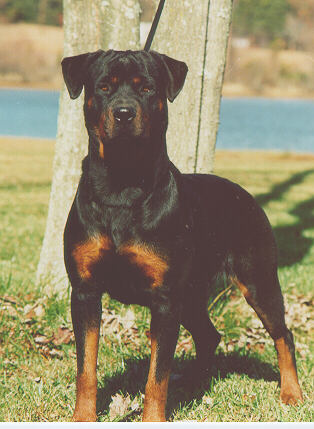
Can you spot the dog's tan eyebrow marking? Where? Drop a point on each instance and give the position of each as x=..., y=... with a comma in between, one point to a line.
x=114, y=79
x=136, y=79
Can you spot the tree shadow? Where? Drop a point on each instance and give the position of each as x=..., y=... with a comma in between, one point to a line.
x=187, y=383
x=292, y=244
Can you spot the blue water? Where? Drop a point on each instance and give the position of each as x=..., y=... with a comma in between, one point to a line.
x=260, y=123
x=245, y=123
x=28, y=113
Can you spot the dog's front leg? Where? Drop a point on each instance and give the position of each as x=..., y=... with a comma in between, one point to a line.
x=164, y=334
x=86, y=316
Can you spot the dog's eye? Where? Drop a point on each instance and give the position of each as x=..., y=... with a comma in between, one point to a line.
x=146, y=89
x=105, y=88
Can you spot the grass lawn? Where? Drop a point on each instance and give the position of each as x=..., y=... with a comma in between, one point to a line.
x=37, y=352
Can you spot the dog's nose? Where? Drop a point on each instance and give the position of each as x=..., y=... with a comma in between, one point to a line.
x=124, y=114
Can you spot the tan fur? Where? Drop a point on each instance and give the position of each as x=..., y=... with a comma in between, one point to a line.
x=88, y=253
x=153, y=265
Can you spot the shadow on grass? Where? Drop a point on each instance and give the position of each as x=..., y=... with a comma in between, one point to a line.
x=189, y=385
x=192, y=385
x=292, y=244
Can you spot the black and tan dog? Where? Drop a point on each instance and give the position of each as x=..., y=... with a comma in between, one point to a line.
x=147, y=234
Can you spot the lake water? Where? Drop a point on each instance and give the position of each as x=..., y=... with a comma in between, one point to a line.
x=245, y=123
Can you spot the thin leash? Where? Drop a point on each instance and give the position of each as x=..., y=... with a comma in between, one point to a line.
x=153, y=28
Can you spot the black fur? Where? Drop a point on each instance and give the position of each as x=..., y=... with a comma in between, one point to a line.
x=200, y=226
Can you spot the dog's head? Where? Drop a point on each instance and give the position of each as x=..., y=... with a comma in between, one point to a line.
x=126, y=92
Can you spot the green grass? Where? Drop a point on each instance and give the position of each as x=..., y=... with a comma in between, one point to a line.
x=37, y=381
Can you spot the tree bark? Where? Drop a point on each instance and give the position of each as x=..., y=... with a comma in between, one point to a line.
x=88, y=26
x=197, y=33
x=218, y=27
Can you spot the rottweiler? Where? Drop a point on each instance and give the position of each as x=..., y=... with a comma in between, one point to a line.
x=147, y=234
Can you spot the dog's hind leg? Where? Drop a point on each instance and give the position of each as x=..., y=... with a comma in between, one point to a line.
x=206, y=338
x=261, y=289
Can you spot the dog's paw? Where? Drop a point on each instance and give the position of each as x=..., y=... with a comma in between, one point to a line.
x=83, y=417
x=291, y=395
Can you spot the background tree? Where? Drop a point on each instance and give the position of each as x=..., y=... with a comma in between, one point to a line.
x=197, y=33
x=299, y=25
x=263, y=20
x=192, y=133
x=41, y=11
x=88, y=26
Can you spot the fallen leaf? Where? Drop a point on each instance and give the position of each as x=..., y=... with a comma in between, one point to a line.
x=128, y=320
x=119, y=406
x=41, y=339
x=135, y=405
x=9, y=298
x=9, y=310
x=27, y=308
x=56, y=353
x=63, y=336
x=185, y=345
x=39, y=311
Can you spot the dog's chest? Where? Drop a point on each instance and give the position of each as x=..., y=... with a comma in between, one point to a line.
x=124, y=270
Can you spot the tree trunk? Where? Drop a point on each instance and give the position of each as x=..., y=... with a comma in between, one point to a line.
x=220, y=13
x=197, y=33
x=88, y=26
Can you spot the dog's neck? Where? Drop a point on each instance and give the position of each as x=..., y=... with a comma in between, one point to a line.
x=116, y=177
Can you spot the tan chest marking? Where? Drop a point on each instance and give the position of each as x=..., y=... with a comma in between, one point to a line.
x=88, y=253
x=153, y=265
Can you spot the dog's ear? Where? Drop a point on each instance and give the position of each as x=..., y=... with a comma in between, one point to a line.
x=74, y=71
x=175, y=74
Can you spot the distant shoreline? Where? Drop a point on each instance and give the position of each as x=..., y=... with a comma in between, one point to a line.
x=31, y=56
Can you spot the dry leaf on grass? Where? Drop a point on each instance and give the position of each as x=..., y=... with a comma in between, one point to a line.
x=47, y=352
x=41, y=339
x=33, y=310
x=9, y=310
x=128, y=320
x=63, y=336
x=9, y=298
x=123, y=327
x=300, y=312
x=121, y=406
x=185, y=344
x=46, y=345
